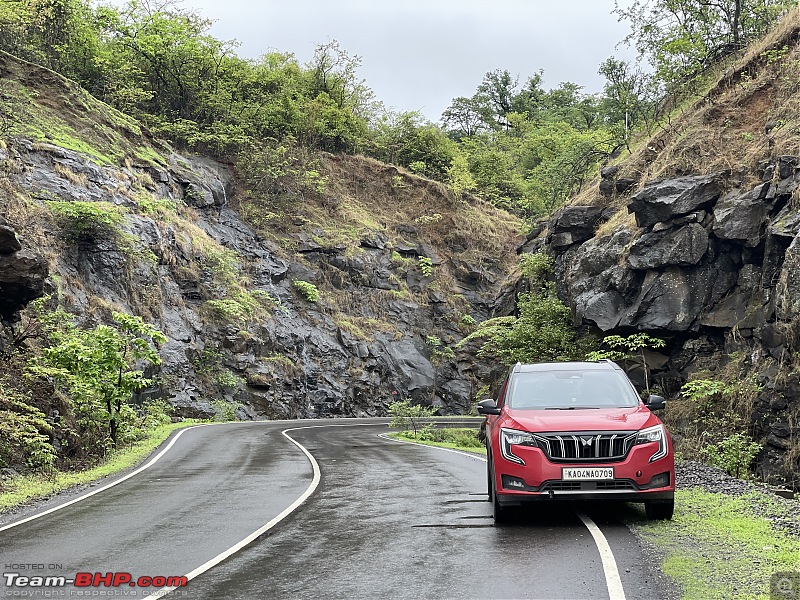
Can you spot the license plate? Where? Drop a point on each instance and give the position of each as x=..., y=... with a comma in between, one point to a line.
x=586, y=473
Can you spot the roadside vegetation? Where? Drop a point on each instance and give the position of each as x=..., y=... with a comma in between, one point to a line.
x=720, y=546
x=413, y=423
x=17, y=491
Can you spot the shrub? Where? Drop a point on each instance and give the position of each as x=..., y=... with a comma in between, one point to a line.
x=307, y=290
x=24, y=438
x=405, y=416
x=734, y=454
x=468, y=320
x=87, y=221
x=426, y=266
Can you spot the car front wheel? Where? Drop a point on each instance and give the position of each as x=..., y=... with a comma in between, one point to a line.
x=659, y=509
x=501, y=514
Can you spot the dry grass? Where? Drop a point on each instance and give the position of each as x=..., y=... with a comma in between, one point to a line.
x=79, y=179
x=622, y=219
x=750, y=112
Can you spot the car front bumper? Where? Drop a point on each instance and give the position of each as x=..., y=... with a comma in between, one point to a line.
x=635, y=478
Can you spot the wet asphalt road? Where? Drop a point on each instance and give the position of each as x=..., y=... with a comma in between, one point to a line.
x=388, y=520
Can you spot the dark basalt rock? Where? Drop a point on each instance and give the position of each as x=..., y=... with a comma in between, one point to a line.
x=8, y=240
x=740, y=217
x=574, y=224
x=22, y=276
x=684, y=246
x=666, y=199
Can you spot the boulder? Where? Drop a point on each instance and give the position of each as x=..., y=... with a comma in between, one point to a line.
x=574, y=224
x=786, y=223
x=684, y=246
x=788, y=288
x=665, y=199
x=673, y=299
x=620, y=185
x=22, y=278
x=740, y=217
x=8, y=240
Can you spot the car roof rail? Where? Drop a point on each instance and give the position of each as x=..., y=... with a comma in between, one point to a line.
x=610, y=362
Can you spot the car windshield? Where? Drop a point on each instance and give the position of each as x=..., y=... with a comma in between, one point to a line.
x=566, y=390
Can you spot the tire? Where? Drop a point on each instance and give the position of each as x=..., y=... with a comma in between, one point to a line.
x=489, y=481
x=659, y=510
x=501, y=514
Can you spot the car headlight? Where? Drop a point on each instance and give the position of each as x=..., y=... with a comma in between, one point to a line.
x=654, y=434
x=513, y=437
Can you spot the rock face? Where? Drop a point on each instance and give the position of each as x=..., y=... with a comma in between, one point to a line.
x=711, y=273
x=351, y=355
x=22, y=272
x=663, y=200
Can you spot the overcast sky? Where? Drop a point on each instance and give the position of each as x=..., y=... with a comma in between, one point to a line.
x=420, y=54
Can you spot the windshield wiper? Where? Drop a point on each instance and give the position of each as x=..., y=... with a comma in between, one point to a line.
x=572, y=407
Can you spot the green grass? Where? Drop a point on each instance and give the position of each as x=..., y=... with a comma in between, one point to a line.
x=720, y=547
x=22, y=490
x=449, y=437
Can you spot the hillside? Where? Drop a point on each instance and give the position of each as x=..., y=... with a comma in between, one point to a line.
x=102, y=217
x=693, y=238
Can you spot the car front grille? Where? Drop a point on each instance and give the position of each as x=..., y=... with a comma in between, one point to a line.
x=587, y=446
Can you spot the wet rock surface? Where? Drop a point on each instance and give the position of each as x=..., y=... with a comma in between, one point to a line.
x=711, y=267
x=299, y=359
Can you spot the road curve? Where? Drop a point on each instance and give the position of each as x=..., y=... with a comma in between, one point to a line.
x=388, y=520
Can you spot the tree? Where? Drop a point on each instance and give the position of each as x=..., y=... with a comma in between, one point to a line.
x=622, y=348
x=405, y=415
x=97, y=368
x=683, y=37
x=630, y=96
x=498, y=88
x=465, y=117
x=543, y=330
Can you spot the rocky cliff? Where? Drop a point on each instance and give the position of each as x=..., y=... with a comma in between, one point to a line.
x=695, y=239
x=103, y=218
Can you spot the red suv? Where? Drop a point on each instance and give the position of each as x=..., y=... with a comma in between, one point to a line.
x=576, y=430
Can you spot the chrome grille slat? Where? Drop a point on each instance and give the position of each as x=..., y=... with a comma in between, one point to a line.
x=612, y=446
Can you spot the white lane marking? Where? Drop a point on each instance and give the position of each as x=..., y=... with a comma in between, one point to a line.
x=155, y=459
x=289, y=510
x=613, y=581
x=149, y=464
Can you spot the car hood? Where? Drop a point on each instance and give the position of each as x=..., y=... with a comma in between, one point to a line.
x=596, y=419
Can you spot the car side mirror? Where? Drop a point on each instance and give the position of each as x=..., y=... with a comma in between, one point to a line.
x=655, y=402
x=488, y=407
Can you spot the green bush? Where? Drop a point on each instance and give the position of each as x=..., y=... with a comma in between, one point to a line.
x=307, y=290
x=24, y=432
x=467, y=438
x=405, y=415
x=734, y=454
x=87, y=221
x=426, y=266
